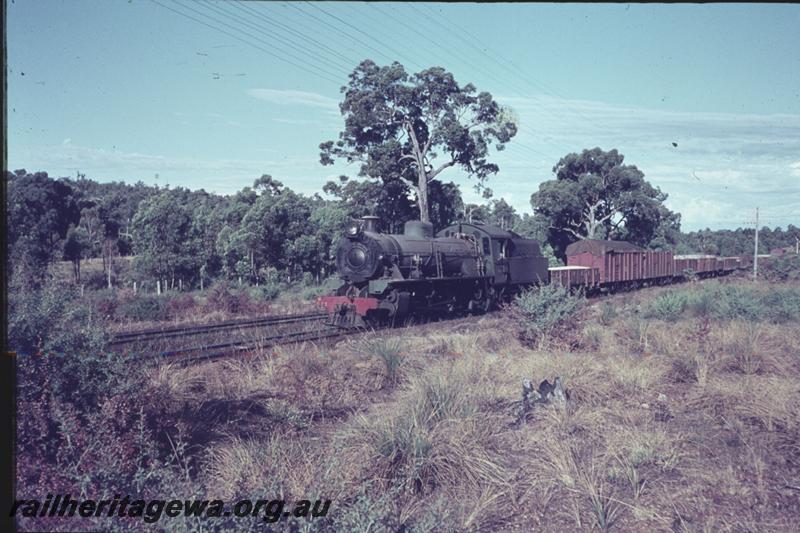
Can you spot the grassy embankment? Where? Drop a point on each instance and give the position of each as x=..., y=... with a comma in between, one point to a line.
x=684, y=414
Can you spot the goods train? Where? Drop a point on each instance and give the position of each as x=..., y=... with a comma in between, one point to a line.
x=473, y=267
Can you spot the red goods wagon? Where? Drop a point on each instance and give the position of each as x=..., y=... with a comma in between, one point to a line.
x=575, y=276
x=729, y=263
x=683, y=264
x=619, y=261
x=699, y=264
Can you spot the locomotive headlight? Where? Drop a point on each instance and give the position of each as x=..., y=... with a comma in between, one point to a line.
x=352, y=231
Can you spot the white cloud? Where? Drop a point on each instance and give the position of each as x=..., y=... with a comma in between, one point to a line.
x=294, y=121
x=223, y=176
x=794, y=169
x=724, y=164
x=289, y=97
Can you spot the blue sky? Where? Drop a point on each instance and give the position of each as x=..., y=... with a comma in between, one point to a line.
x=214, y=94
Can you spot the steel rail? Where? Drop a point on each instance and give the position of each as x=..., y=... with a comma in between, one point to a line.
x=166, y=333
x=226, y=349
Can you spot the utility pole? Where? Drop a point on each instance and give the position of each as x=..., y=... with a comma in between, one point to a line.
x=755, y=251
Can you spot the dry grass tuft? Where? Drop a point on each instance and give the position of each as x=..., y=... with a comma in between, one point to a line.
x=765, y=403
x=636, y=375
x=180, y=384
x=435, y=434
x=750, y=348
x=387, y=349
x=277, y=466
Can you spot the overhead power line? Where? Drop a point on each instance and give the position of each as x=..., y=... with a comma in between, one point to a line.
x=507, y=64
x=301, y=43
x=290, y=52
x=348, y=34
x=247, y=6
x=268, y=52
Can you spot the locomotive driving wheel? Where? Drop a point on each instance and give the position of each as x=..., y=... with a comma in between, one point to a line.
x=481, y=300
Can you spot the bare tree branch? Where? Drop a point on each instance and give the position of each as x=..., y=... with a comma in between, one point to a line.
x=410, y=184
x=569, y=230
x=434, y=173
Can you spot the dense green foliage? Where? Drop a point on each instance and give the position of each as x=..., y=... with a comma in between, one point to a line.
x=595, y=196
x=53, y=331
x=737, y=242
x=405, y=130
x=724, y=301
x=786, y=268
x=263, y=235
x=86, y=429
x=39, y=212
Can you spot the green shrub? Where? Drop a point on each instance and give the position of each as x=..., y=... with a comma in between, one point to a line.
x=144, y=307
x=667, y=306
x=371, y=510
x=221, y=298
x=94, y=280
x=327, y=286
x=57, y=335
x=308, y=279
x=702, y=302
x=732, y=302
x=727, y=301
x=84, y=424
x=607, y=314
x=541, y=311
x=783, y=304
x=265, y=293
x=786, y=268
x=105, y=301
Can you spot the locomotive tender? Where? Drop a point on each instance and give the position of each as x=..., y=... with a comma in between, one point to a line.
x=473, y=267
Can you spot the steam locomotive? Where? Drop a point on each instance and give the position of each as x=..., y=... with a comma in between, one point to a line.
x=474, y=267
x=463, y=268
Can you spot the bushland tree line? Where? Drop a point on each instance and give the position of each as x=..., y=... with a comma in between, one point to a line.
x=265, y=231
x=404, y=130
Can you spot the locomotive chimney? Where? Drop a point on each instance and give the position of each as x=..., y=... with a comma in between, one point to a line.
x=370, y=223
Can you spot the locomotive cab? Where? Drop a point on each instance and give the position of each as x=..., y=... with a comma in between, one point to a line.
x=510, y=259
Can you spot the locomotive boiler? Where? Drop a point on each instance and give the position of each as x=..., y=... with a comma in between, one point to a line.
x=465, y=267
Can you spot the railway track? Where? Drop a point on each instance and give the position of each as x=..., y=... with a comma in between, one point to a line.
x=151, y=343
x=226, y=349
x=158, y=344
x=131, y=337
